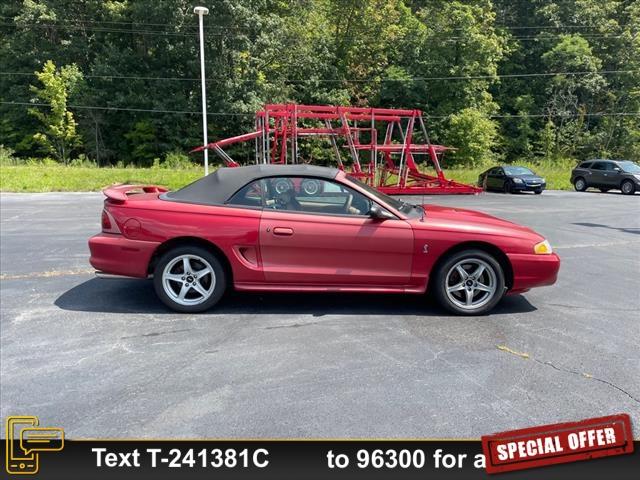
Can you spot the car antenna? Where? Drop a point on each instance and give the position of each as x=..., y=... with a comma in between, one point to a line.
x=431, y=152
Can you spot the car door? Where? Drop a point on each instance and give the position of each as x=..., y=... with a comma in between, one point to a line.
x=495, y=179
x=611, y=176
x=327, y=239
x=597, y=177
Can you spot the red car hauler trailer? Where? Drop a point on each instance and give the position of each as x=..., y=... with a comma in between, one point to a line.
x=389, y=165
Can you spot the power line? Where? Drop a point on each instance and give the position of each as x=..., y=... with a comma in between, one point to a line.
x=107, y=22
x=228, y=34
x=555, y=115
x=91, y=107
x=354, y=80
x=550, y=27
x=240, y=114
x=112, y=30
x=113, y=22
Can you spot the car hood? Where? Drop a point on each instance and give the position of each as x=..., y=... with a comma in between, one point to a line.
x=529, y=178
x=472, y=220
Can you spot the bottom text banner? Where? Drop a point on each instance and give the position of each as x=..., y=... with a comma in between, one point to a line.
x=294, y=459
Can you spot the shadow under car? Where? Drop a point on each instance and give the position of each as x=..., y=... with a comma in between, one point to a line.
x=138, y=296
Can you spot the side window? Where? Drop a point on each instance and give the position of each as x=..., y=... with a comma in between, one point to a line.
x=251, y=195
x=314, y=195
x=598, y=166
x=585, y=165
x=609, y=166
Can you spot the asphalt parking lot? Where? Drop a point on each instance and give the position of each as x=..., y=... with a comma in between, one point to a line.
x=103, y=358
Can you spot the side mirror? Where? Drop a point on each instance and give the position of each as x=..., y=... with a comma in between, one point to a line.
x=378, y=213
x=617, y=169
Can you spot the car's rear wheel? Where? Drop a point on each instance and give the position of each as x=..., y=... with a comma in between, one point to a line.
x=627, y=187
x=580, y=184
x=189, y=279
x=470, y=282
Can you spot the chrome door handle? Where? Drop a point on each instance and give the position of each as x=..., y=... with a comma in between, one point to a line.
x=283, y=231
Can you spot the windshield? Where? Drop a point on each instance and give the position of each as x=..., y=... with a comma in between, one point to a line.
x=404, y=207
x=629, y=166
x=518, y=171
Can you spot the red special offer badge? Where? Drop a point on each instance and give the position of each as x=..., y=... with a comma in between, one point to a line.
x=558, y=443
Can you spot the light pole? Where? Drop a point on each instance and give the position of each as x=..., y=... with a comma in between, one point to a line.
x=201, y=11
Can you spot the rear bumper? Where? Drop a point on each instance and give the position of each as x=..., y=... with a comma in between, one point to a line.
x=530, y=270
x=118, y=255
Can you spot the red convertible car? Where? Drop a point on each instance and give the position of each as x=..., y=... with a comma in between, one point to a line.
x=311, y=229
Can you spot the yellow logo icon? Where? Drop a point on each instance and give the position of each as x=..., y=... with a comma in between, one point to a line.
x=25, y=441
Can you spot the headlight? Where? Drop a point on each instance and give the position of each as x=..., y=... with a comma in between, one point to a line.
x=544, y=180
x=543, y=248
x=517, y=180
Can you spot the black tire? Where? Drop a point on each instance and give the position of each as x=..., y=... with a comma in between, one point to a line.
x=580, y=184
x=445, y=274
x=281, y=185
x=215, y=284
x=311, y=187
x=628, y=187
x=506, y=187
x=538, y=191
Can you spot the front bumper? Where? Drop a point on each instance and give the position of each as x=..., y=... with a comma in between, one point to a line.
x=118, y=255
x=527, y=187
x=531, y=270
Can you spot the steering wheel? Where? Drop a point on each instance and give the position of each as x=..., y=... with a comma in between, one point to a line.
x=361, y=205
x=347, y=204
x=287, y=201
x=282, y=200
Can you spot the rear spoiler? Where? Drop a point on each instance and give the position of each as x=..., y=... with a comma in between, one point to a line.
x=120, y=193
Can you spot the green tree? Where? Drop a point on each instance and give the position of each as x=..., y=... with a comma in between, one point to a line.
x=141, y=68
x=58, y=134
x=571, y=97
x=143, y=143
x=474, y=135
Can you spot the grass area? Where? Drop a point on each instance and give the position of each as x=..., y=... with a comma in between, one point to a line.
x=57, y=178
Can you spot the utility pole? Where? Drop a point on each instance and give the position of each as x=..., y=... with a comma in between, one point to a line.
x=201, y=11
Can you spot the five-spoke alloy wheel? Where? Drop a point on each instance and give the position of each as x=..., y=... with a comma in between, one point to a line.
x=189, y=279
x=470, y=282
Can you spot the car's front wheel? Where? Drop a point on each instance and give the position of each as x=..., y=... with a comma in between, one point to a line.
x=189, y=279
x=470, y=282
x=627, y=187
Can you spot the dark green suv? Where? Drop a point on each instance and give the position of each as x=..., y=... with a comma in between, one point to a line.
x=607, y=175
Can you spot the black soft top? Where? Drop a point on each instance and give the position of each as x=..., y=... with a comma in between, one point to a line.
x=217, y=187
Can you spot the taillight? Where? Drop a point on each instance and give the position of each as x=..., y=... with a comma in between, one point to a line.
x=109, y=225
x=106, y=223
